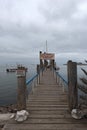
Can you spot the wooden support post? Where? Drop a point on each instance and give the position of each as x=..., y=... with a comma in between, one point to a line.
x=41, y=62
x=56, y=77
x=21, y=96
x=72, y=85
x=42, y=72
x=38, y=71
x=33, y=85
x=53, y=63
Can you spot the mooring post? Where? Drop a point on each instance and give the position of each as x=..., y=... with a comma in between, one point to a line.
x=38, y=71
x=52, y=65
x=41, y=62
x=21, y=95
x=56, y=77
x=72, y=85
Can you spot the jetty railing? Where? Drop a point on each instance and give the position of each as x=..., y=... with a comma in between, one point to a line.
x=61, y=81
x=31, y=83
x=25, y=87
x=71, y=84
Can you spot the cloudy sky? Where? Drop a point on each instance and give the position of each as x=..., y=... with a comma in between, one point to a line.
x=25, y=25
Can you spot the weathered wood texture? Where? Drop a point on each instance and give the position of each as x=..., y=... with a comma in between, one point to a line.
x=21, y=97
x=72, y=85
x=48, y=108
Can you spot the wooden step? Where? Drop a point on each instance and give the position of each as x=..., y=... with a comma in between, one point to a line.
x=45, y=127
x=46, y=103
x=46, y=108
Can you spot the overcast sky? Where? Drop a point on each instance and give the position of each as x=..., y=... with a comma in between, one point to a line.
x=25, y=25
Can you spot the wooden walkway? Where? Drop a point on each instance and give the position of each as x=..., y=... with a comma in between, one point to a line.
x=48, y=108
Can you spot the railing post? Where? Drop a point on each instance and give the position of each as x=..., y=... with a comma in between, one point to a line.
x=21, y=95
x=38, y=71
x=42, y=71
x=72, y=85
x=56, y=77
x=33, y=86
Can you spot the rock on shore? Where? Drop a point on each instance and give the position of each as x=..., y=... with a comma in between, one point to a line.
x=6, y=113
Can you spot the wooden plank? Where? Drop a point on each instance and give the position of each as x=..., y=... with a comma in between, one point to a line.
x=46, y=103
x=49, y=116
x=45, y=127
x=50, y=109
x=47, y=112
x=51, y=120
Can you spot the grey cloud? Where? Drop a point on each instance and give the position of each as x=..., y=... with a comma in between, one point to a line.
x=58, y=9
x=24, y=31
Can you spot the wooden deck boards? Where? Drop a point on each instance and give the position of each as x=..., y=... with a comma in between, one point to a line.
x=48, y=108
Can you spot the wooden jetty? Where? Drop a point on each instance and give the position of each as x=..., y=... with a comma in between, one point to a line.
x=48, y=108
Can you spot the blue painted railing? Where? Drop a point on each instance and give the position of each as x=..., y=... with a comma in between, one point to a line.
x=63, y=81
x=31, y=79
x=62, y=78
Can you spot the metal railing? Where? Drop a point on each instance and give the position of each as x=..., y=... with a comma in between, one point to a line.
x=31, y=79
x=31, y=83
x=64, y=81
x=61, y=81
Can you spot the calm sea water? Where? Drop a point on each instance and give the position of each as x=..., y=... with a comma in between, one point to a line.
x=8, y=81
